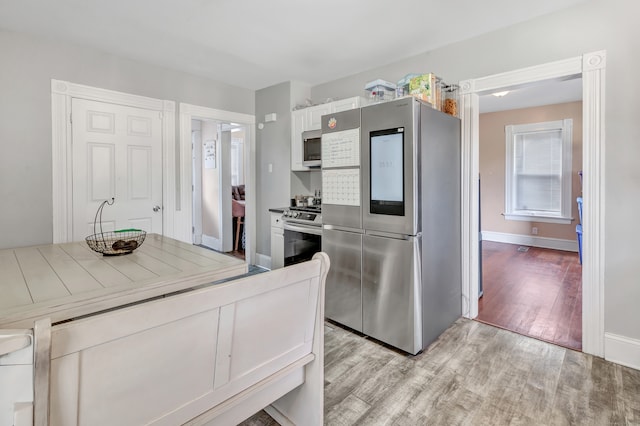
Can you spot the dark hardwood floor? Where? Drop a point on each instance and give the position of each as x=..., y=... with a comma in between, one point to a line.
x=537, y=292
x=237, y=253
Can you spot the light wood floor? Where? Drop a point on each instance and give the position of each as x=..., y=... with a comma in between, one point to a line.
x=474, y=374
x=537, y=292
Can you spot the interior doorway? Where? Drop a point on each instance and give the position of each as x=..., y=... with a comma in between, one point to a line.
x=531, y=274
x=218, y=187
x=219, y=198
x=591, y=67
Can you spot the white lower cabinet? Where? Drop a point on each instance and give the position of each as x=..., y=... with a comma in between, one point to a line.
x=16, y=377
x=310, y=119
x=277, y=241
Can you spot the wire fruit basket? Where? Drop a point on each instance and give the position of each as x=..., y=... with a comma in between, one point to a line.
x=114, y=243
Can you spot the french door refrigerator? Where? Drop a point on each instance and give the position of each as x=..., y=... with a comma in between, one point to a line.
x=342, y=216
x=391, y=221
x=411, y=261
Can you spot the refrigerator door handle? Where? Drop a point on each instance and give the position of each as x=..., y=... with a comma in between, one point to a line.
x=343, y=229
x=394, y=236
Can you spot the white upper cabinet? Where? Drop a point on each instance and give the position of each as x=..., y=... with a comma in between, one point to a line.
x=315, y=115
x=298, y=125
x=310, y=119
x=349, y=103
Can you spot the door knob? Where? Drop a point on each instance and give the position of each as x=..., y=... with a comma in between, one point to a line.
x=156, y=208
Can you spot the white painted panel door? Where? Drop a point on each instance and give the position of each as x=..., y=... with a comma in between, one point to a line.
x=117, y=152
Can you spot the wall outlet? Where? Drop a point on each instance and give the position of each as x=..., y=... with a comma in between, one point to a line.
x=534, y=230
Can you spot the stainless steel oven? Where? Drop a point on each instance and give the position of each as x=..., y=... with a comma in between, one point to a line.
x=302, y=234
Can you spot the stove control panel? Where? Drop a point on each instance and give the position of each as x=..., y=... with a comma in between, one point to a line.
x=302, y=216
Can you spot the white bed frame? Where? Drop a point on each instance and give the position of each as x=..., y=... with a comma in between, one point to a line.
x=213, y=355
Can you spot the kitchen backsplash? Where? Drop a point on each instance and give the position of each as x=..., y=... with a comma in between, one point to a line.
x=305, y=182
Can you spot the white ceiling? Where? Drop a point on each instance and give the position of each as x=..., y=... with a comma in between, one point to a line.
x=545, y=93
x=255, y=44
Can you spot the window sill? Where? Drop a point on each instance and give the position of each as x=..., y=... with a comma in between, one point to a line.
x=538, y=218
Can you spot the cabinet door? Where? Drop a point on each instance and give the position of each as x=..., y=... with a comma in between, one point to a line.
x=277, y=241
x=16, y=377
x=298, y=125
x=276, y=220
x=315, y=114
x=277, y=248
x=346, y=104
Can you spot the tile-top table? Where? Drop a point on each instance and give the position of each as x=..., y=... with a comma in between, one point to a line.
x=65, y=281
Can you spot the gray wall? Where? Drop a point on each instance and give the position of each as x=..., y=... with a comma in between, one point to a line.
x=28, y=65
x=273, y=146
x=591, y=26
x=305, y=183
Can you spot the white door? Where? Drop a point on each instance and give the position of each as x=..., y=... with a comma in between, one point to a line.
x=196, y=149
x=117, y=152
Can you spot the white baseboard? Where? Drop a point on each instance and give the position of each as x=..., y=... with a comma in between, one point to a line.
x=622, y=350
x=531, y=240
x=211, y=242
x=263, y=260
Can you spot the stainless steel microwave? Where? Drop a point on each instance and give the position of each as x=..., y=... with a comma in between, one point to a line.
x=312, y=148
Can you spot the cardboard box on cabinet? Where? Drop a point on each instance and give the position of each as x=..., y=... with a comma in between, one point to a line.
x=423, y=87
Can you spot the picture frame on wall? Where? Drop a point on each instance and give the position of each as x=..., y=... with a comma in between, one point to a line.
x=210, y=154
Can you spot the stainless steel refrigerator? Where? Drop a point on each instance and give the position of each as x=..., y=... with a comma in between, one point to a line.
x=342, y=216
x=410, y=259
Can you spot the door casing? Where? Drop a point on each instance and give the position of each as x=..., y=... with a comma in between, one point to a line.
x=62, y=92
x=591, y=67
x=185, y=215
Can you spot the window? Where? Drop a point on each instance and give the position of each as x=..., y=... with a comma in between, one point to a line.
x=538, y=167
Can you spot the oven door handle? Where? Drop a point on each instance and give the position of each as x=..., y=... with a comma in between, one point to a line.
x=304, y=229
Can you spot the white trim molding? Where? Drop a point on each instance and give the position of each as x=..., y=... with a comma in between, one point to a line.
x=184, y=215
x=211, y=242
x=531, y=240
x=591, y=67
x=62, y=92
x=622, y=350
x=593, y=255
x=263, y=261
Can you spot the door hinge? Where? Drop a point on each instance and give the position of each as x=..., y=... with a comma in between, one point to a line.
x=70, y=118
x=193, y=229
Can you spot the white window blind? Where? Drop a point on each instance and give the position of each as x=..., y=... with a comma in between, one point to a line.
x=539, y=171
